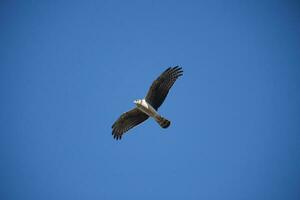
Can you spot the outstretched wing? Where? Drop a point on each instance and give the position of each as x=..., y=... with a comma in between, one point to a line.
x=161, y=86
x=127, y=121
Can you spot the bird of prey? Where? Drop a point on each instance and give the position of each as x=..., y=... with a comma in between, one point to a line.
x=148, y=106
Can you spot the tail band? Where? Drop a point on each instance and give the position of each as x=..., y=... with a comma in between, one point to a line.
x=164, y=123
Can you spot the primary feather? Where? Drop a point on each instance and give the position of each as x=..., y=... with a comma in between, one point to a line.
x=161, y=86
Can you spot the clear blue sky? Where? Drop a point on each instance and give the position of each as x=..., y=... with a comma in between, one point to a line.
x=68, y=69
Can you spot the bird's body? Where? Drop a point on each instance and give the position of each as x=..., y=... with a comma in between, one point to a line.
x=148, y=106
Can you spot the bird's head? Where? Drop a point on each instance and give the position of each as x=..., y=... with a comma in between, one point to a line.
x=138, y=101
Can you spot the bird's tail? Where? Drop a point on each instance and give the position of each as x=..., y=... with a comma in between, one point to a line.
x=164, y=123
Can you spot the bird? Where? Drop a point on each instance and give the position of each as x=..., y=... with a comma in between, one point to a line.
x=148, y=106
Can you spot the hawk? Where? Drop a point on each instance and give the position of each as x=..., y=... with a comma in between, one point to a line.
x=148, y=106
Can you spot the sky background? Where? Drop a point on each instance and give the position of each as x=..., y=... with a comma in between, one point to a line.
x=68, y=69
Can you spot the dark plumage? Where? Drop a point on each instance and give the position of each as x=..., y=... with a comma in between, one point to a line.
x=161, y=86
x=127, y=121
x=155, y=97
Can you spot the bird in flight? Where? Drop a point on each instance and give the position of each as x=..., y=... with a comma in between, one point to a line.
x=148, y=106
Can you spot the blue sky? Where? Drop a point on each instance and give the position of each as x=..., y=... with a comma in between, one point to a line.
x=69, y=69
